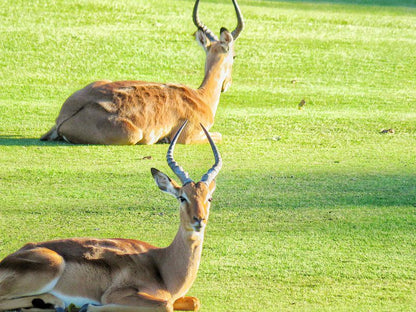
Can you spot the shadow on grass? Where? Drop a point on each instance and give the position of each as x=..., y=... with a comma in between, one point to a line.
x=321, y=190
x=15, y=140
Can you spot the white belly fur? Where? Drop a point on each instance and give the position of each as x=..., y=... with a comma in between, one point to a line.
x=78, y=301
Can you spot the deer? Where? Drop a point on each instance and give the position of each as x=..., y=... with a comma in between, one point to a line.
x=138, y=112
x=118, y=275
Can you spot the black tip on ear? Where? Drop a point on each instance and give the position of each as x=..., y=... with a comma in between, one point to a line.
x=154, y=171
x=223, y=29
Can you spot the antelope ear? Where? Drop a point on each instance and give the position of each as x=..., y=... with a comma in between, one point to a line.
x=202, y=39
x=226, y=39
x=165, y=183
x=212, y=187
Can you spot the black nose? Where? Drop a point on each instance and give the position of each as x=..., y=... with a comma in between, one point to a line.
x=198, y=226
x=199, y=220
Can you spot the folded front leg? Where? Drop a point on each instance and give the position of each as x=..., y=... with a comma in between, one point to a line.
x=128, y=300
x=187, y=304
x=200, y=138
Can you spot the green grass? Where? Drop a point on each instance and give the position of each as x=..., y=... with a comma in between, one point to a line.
x=315, y=210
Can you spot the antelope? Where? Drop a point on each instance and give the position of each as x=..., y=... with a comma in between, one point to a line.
x=117, y=275
x=138, y=112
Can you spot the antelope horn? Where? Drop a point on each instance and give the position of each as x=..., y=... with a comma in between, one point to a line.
x=178, y=170
x=212, y=173
x=211, y=36
x=240, y=25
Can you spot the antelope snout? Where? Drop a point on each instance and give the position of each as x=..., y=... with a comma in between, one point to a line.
x=199, y=223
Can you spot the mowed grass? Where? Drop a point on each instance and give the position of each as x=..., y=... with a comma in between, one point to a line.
x=315, y=209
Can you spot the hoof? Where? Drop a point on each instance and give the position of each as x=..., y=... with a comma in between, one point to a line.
x=187, y=304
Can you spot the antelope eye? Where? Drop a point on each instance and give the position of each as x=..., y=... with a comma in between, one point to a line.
x=210, y=199
x=182, y=199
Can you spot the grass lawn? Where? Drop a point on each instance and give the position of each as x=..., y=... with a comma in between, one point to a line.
x=315, y=209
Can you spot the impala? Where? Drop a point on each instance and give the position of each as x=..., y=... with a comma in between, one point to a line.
x=137, y=112
x=117, y=275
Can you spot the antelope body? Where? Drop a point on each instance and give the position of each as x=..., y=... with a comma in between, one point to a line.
x=117, y=275
x=138, y=112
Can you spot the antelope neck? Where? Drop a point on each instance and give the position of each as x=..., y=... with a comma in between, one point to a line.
x=211, y=86
x=181, y=261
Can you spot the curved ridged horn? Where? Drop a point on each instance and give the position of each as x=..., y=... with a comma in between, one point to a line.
x=240, y=25
x=212, y=173
x=211, y=36
x=178, y=170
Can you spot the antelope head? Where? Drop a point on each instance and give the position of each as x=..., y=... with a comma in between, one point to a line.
x=194, y=197
x=219, y=50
